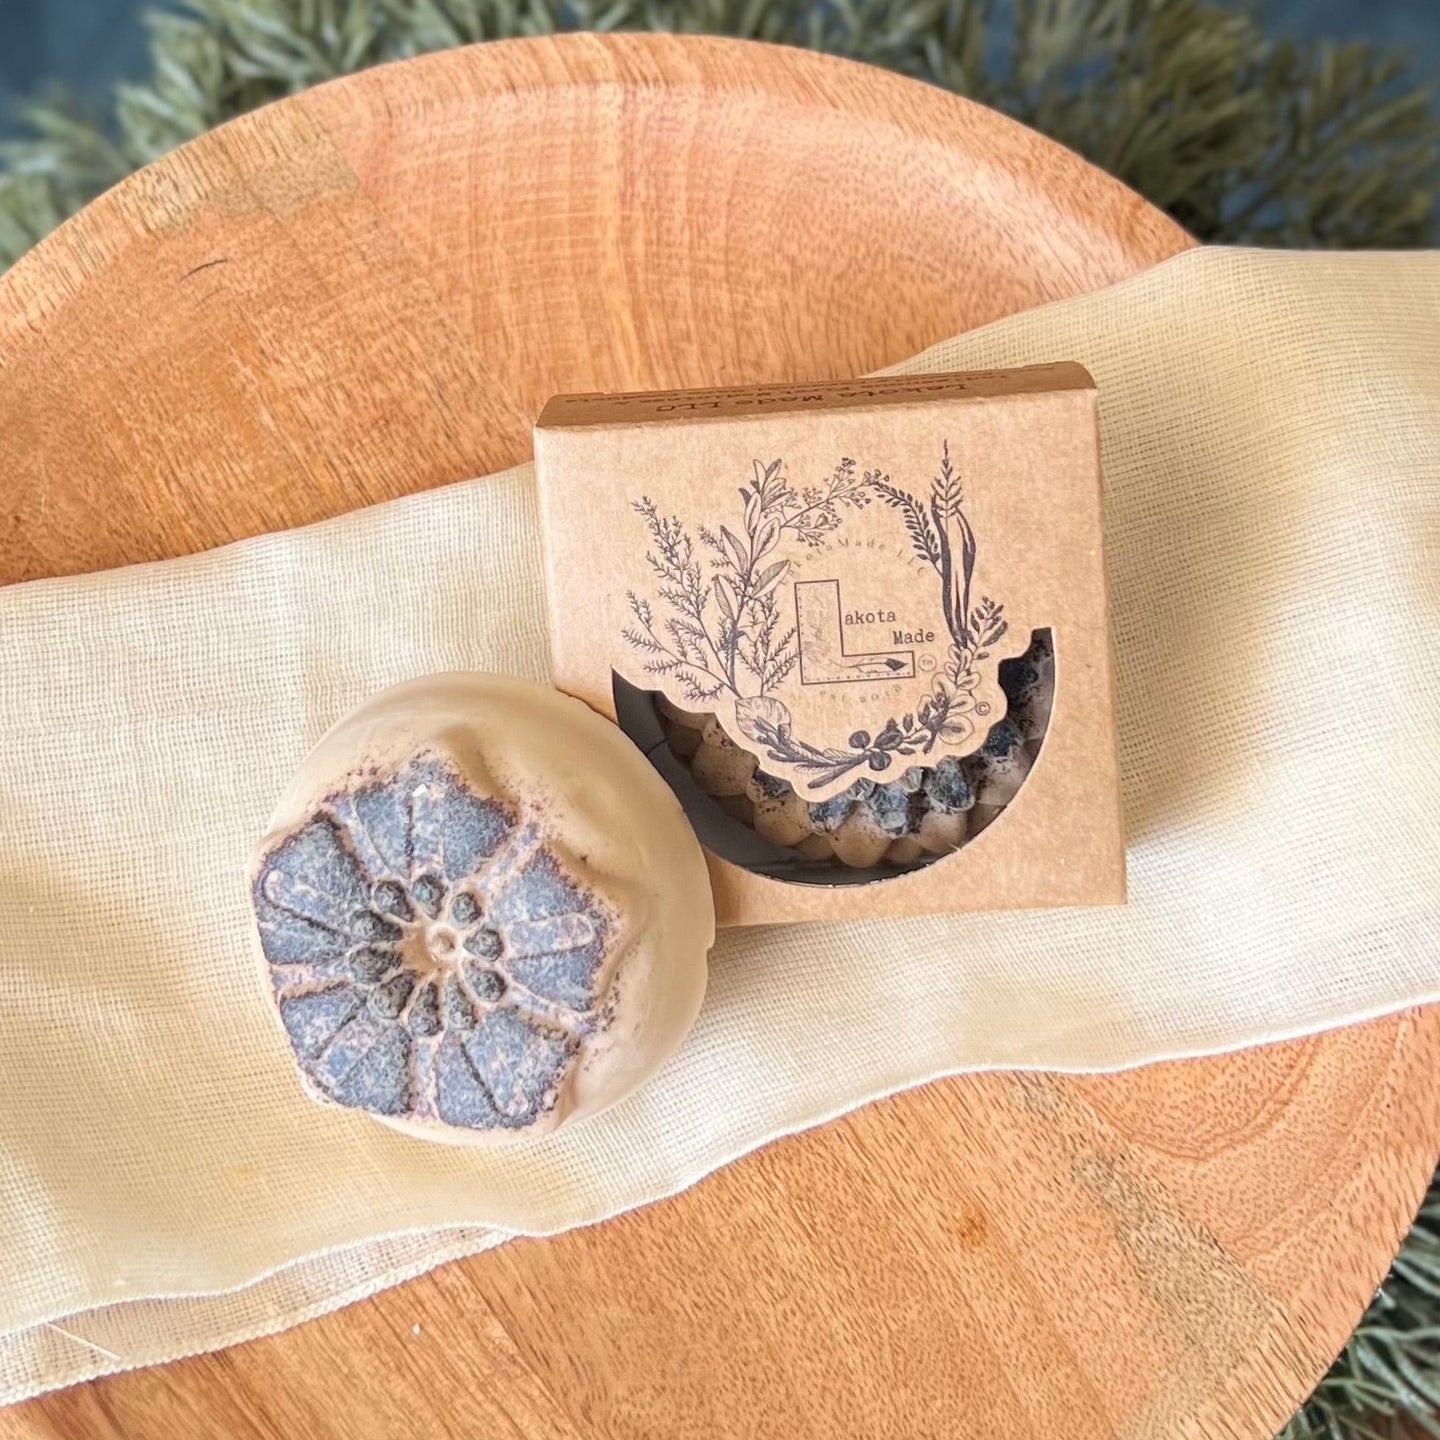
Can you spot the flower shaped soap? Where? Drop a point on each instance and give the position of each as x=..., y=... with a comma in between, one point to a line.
x=481, y=911
x=930, y=810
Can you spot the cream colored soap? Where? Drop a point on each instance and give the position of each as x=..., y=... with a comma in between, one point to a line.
x=859, y=841
x=721, y=767
x=931, y=810
x=481, y=912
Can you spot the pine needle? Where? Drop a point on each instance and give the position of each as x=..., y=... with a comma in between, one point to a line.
x=1242, y=139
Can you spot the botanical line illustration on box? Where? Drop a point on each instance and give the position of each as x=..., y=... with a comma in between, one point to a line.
x=723, y=619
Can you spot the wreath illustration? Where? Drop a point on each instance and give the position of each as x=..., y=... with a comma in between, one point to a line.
x=721, y=631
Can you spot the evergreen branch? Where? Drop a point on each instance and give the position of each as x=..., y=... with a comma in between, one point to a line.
x=1243, y=139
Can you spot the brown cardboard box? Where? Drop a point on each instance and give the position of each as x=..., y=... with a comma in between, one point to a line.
x=837, y=572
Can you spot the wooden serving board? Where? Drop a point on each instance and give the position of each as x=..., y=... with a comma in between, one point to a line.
x=370, y=289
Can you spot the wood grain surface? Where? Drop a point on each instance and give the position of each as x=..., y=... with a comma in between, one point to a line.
x=370, y=289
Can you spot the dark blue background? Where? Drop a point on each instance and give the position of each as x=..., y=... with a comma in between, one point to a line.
x=84, y=43
x=88, y=43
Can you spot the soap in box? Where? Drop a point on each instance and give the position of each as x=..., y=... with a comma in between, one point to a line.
x=860, y=627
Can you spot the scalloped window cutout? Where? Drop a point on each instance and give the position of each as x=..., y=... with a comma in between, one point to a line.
x=868, y=833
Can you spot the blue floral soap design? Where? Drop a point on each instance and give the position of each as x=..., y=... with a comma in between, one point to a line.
x=929, y=811
x=431, y=956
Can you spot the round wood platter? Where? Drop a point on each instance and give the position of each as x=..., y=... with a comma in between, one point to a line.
x=370, y=289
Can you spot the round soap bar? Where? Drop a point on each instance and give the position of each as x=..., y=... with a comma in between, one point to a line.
x=481, y=911
x=930, y=810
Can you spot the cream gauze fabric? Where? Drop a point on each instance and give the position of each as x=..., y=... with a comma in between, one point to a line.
x=1271, y=434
